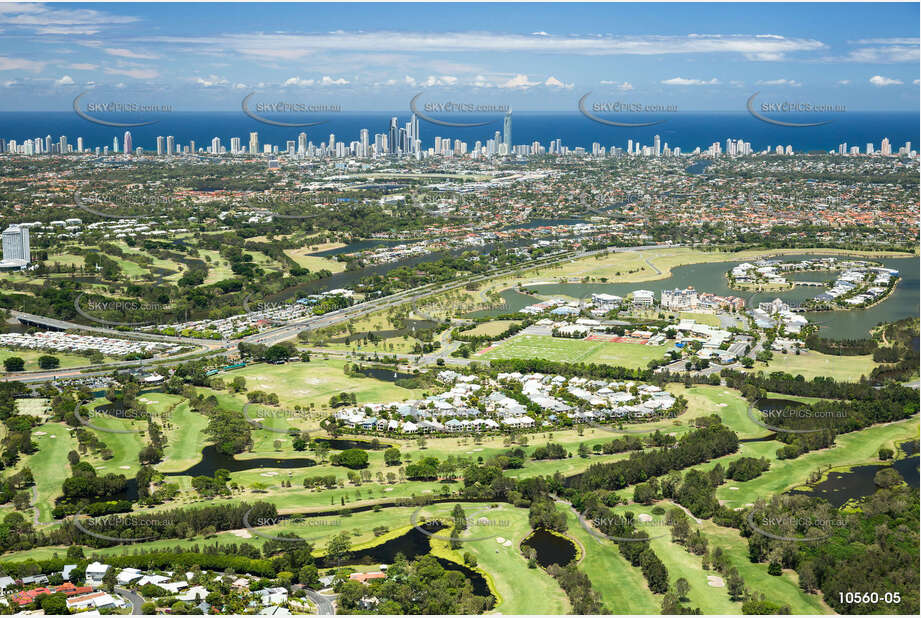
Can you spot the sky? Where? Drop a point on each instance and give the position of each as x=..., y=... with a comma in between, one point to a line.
x=377, y=56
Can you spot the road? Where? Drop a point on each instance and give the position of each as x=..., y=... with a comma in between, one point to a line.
x=324, y=602
x=293, y=328
x=136, y=600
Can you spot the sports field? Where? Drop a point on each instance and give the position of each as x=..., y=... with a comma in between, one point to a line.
x=576, y=351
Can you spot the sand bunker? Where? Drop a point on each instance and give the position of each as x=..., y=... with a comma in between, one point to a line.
x=644, y=517
x=715, y=582
x=500, y=540
x=507, y=543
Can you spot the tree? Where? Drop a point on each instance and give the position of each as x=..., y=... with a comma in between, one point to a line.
x=108, y=580
x=886, y=453
x=14, y=363
x=49, y=362
x=682, y=587
x=54, y=604
x=353, y=458
x=392, y=456
x=339, y=546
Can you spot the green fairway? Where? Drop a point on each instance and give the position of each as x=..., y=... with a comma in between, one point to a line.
x=49, y=464
x=850, y=449
x=575, y=351
x=521, y=590
x=811, y=364
x=185, y=440
x=621, y=585
x=313, y=383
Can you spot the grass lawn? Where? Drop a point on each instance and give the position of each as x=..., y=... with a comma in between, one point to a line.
x=184, y=438
x=521, y=590
x=709, y=319
x=490, y=328
x=315, y=382
x=31, y=358
x=810, y=364
x=314, y=263
x=125, y=446
x=726, y=403
x=49, y=464
x=575, y=350
x=621, y=585
x=850, y=449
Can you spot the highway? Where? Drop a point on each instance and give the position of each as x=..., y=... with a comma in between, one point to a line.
x=285, y=331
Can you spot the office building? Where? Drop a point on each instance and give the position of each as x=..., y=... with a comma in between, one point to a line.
x=16, y=251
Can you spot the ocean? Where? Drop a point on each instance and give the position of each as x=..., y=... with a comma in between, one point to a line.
x=686, y=130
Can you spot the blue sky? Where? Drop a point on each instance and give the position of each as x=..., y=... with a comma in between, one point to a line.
x=528, y=56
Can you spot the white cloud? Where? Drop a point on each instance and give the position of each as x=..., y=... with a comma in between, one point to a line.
x=519, y=81
x=625, y=86
x=65, y=80
x=127, y=53
x=298, y=82
x=553, y=82
x=83, y=66
x=780, y=82
x=212, y=81
x=439, y=80
x=294, y=46
x=136, y=73
x=844, y=82
x=879, y=80
x=916, y=82
x=883, y=55
x=481, y=82
x=20, y=64
x=329, y=81
x=239, y=86
x=682, y=81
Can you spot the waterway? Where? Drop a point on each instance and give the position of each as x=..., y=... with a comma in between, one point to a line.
x=711, y=277
x=411, y=545
x=551, y=548
x=213, y=460
x=839, y=487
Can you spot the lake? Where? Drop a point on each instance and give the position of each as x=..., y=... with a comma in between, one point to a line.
x=710, y=277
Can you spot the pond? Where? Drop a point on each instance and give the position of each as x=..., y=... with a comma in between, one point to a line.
x=338, y=444
x=213, y=460
x=839, y=487
x=710, y=277
x=551, y=548
x=385, y=375
x=412, y=545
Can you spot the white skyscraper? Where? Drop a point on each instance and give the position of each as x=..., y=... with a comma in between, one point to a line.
x=16, y=246
x=253, y=142
x=126, y=142
x=161, y=145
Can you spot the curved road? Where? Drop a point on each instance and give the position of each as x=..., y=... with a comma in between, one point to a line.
x=292, y=329
x=324, y=602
